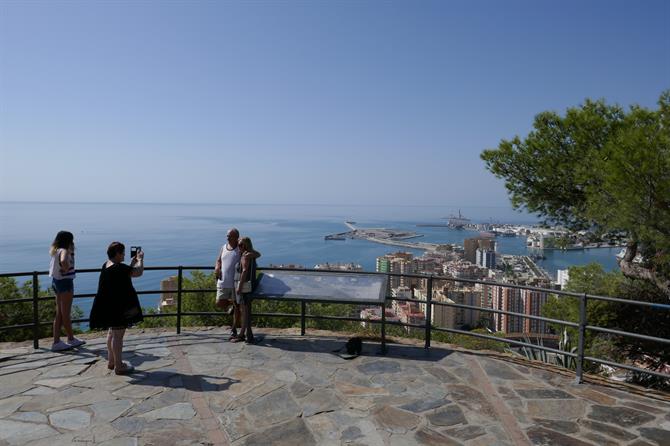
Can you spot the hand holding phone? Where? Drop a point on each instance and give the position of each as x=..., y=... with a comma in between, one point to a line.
x=134, y=250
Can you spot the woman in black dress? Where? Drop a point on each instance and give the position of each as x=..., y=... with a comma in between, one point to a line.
x=116, y=306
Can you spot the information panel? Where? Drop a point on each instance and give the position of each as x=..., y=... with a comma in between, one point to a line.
x=322, y=286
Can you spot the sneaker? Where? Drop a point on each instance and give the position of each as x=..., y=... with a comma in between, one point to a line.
x=60, y=346
x=74, y=342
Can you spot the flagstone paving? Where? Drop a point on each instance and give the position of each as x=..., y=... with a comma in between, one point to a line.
x=197, y=388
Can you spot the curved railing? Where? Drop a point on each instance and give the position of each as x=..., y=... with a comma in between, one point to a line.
x=583, y=326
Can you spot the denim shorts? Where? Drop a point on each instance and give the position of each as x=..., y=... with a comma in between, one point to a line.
x=62, y=285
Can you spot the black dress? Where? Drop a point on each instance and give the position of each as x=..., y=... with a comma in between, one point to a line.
x=116, y=303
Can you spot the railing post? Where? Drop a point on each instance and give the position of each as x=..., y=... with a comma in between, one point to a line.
x=303, y=307
x=429, y=310
x=383, y=349
x=580, y=341
x=36, y=314
x=179, y=279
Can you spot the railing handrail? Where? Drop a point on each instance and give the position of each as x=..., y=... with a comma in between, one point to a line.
x=583, y=326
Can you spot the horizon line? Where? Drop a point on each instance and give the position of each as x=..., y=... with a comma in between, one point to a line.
x=257, y=204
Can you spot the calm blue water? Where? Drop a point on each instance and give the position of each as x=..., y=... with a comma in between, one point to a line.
x=173, y=234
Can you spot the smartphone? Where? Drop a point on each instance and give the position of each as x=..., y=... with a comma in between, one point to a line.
x=134, y=250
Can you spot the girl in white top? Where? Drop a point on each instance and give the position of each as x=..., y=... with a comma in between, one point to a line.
x=62, y=272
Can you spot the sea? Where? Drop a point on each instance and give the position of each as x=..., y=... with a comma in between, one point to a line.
x=192, y=234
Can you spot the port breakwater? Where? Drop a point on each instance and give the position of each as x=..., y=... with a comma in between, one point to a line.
x=385, y=236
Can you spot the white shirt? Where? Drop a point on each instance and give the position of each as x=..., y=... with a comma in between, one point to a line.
x=229, y=260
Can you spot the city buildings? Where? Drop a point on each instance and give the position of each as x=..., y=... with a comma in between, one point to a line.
x=471, y=245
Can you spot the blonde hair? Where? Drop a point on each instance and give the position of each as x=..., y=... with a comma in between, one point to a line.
x=246, y=241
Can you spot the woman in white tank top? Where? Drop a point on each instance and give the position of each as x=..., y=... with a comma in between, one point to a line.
x=62, y=273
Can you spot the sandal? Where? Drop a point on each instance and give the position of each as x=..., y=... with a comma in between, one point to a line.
x=127, y=370
x=238, y=339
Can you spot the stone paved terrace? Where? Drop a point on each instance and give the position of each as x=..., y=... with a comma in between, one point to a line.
x=197, y=388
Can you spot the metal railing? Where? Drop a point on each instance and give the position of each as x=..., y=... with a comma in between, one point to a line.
x=583, y=326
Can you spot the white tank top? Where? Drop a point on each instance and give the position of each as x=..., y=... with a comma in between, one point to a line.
x=229, y=261
x=54, y=266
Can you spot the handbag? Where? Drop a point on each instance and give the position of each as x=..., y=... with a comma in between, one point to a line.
x=246, y=287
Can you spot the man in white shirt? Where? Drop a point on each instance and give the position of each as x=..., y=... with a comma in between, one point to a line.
x=224, y=270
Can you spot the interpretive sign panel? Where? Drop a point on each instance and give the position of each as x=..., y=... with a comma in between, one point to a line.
x=320, y=286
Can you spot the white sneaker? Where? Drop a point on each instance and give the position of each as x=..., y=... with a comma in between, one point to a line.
x=74, y=342
x=60, y=346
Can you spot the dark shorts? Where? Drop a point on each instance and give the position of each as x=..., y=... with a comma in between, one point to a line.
x=62, y=285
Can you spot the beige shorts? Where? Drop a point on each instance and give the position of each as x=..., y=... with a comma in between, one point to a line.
x=225, y=294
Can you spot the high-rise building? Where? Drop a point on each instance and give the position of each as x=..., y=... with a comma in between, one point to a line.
x=485, y=258
x=518, y=301
x=397, y=263
x=562, y=277
x=471, y=245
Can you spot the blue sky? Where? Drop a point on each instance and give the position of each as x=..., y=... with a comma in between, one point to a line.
x=348, y=102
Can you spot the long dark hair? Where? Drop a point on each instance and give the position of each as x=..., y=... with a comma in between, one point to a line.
x=63, y=240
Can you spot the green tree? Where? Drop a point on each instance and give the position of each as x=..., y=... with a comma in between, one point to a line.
x=22, y=312
x=600, y=168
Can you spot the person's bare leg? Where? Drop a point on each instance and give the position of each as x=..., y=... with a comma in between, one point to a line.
x=117, y=347
x=57, y=320
x=243, y=314
x=110, y=351
x=66, y=307
x=249, y=333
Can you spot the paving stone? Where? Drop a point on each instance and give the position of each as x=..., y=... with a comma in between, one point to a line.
x=273, y=408
x=447, y=416
x=33, y=417
x=40, y=390
x=443, y=375
x=498, y=369
x=600, y=440
x=431, y=438
x=130, y=425
x=466, y=432
x=644, y=407
x=138, y=391
x=544, y=394
x=57, y=383
x=607, y=429
x=640, y=443
x=15, y=383
x=65, y=371
x=70, y=419
x=556, y=409
x=291, y=433
x=473, y=400
x=300, y=389
x=108, y=411
x=395, y=420
x=286, y=376
x=592, y=395
x=620, y=416
x=351, y=433
x=16, y=432
x=564, y=427
x=10, y=405
x=540, y=436
x=659, y=436
x=354, y=390
x=124, y=441
x=424, y=405
x=318, y=401
x=379, y=366
x=179, y=411
x=46, y=402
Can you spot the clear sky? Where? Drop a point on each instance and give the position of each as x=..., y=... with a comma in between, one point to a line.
x=341, y=102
